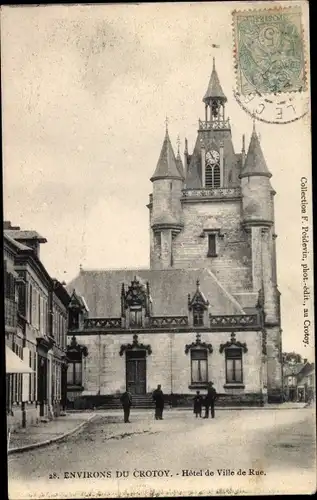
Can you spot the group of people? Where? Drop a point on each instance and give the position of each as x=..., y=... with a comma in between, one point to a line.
x=208, y=402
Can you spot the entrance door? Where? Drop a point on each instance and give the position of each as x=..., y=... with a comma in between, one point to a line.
x=136, y=372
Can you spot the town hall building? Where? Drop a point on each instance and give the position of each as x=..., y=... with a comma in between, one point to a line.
x=208, y=308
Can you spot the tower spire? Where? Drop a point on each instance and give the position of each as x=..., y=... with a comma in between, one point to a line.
x=167, y=166
x=166, y=124
x=214, y=90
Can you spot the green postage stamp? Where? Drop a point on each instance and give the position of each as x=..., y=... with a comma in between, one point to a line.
x=269, y=51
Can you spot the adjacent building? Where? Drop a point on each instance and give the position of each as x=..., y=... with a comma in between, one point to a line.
x=38, y=307
x=299, y=380
x=209, y=306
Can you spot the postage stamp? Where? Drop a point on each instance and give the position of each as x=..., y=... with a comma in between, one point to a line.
x=269, y=51
x=270, y=63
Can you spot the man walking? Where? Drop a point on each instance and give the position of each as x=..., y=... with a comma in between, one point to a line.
x=126, y=401
x=210, y=401
x=158, y=398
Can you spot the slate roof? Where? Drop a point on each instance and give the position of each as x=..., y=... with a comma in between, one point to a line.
x=214, y=89
x=169, y=289
x=255, y=163
x=167, y=164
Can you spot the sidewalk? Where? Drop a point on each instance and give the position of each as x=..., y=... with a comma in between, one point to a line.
x=45, y=433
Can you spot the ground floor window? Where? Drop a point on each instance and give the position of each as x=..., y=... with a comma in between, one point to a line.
x=74, y=373
x=199, y=370
x=234, y=365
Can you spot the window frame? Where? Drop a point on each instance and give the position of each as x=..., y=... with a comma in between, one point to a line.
x=205, y=359
x=72, y=366
x=211, y=253
x=233, y=359
x=198, y=313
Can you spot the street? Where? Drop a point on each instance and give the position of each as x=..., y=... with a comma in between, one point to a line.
x=239, y=452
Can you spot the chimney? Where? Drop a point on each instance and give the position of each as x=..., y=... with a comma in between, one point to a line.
x=7, y=225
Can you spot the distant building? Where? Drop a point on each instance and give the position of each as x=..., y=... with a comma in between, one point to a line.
x=208, y=307
x=299, y=381
x=40, y=316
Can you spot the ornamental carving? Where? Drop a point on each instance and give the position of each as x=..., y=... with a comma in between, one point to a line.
x=75, y=348
x=198, y=301
x=233, y=343
x=136, y=345
x=198, y=344
x=137, y=295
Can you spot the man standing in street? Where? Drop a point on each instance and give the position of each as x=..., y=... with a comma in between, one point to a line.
x=210, y=400
x=126, y=401
x=158, y=398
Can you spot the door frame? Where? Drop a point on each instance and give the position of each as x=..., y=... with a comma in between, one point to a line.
x=141, y=358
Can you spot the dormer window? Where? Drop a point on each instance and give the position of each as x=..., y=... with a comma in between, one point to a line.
x=135, y=303
x=198, y=317
x=198, y=306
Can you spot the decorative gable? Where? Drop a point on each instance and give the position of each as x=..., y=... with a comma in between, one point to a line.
x=198, y=301
x=233, y=343
x=198, y=344
x=136, y=345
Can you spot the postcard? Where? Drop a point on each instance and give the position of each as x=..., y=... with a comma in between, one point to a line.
x=158, y=250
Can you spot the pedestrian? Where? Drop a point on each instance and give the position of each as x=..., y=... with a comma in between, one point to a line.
x=198, y=401
x=158, y=398
x=126, y=401
x=210, y=401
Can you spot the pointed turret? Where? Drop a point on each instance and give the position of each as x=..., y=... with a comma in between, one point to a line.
x=166, y=209
x=214, y=90
x=167, y=167
x=255, y=163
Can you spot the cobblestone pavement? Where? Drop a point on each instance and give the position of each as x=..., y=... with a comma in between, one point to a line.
x=238, y=452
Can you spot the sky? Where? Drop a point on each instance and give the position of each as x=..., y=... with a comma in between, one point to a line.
x=86, y=91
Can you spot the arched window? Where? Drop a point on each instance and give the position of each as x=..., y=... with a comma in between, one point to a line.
x=212, y=176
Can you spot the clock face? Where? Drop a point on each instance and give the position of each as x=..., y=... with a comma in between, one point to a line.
x=212, y=157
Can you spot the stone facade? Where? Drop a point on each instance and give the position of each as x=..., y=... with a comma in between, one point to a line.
x=211, y=221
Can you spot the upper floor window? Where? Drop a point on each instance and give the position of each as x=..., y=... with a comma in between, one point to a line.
x=212, y=250
x=212, y=179
x=198, y=317
x=234, y=365
x=212, y=170
x=136, y=317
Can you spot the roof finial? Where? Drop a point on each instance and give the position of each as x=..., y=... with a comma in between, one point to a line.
x=213, y=63
x=197, y=284
x=80, y=268
x=253, y=117
x=166, y=124
x=178, y=144
x=243, y=143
